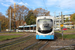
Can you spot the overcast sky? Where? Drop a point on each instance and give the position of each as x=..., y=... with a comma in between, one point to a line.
x=66, y=6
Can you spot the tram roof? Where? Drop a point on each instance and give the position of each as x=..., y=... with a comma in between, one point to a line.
x=28, y=26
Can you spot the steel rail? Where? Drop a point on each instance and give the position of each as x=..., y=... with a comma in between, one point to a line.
x=43, y=45
x=11, y=43
x=31, y=45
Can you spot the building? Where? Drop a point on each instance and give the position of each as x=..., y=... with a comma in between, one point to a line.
x=67, y=22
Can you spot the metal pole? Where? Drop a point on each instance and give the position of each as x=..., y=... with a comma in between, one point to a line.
x=55, y=19
x=59, y=20
x=9, y=23
x=23, y=28
x=14, y=16
x=62, y=24
x=0, y=26
x=10, y=19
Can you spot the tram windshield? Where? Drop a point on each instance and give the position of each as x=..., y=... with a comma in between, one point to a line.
x=45, y=25
x=43, y=20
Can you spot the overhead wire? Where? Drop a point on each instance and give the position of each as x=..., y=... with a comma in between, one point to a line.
x=44, y=4
x=25, y=5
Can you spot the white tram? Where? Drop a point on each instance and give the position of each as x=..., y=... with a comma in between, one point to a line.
x=27, y=28
x=45, y=27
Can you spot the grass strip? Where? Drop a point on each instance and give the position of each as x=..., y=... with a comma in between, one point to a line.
x=7, y=37
x=17, y=46
x=66, y=36
x=66, y=31
x=13, y=42
x=12, y=33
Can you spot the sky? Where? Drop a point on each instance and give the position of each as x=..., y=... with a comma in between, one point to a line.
x=54, y=6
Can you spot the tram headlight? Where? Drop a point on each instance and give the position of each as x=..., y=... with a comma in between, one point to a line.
x=36, y=33
x=52, y=33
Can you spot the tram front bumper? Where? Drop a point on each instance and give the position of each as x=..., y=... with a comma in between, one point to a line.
x=44, y=36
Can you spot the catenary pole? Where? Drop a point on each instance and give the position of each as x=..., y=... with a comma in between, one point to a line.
x=10, y=19
x=62, y=21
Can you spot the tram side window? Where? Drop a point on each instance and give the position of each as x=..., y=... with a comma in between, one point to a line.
x=31, y=28
x=34, y=28
x=20, y=28
x=26, y=28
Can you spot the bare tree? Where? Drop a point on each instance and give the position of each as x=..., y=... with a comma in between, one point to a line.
x=41, y=12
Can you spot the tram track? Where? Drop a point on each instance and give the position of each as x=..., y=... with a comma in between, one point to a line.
x=37, y=45
x=27, y=48
x=16, y=41
x=27, y=43
x=43, y=45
